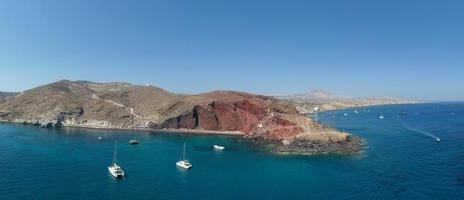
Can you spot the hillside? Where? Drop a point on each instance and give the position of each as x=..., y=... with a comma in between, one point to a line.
x=123, y=105
x=5, y=95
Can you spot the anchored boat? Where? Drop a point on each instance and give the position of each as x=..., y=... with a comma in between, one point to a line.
x=183, y=163
x=114, y=169
x=218, y=147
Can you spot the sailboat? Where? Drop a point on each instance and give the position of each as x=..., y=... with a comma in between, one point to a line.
x=403, y=112
x=115, y=169
x=184, y=163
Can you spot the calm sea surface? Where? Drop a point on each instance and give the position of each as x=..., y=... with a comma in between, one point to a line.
x=400, y=160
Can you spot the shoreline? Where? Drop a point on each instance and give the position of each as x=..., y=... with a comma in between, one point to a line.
x=198, y=131
x=347, y=147
x=146, y=130
x=201, y=131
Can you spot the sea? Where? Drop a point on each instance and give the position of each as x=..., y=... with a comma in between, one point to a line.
x=400, y=159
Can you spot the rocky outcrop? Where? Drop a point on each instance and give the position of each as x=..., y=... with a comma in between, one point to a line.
x=122, y=105
x=304, y=146
x=220, y=116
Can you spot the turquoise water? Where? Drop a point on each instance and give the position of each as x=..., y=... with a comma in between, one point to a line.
x=400, y=160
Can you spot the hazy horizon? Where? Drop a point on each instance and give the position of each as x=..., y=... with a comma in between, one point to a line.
x=397, y=49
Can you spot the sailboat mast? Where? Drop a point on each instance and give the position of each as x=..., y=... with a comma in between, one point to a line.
x=114, y=152
x=183, y=154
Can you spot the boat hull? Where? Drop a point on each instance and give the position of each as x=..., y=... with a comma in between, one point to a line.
x=114, y=173
x=183, y=165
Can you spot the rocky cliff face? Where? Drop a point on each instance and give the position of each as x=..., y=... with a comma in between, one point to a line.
x=256, y=116
x=122, y=105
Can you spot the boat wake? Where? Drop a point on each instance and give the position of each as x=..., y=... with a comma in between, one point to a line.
x=420, y=131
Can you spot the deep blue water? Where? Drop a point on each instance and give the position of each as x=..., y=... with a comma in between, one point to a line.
x=399, y=161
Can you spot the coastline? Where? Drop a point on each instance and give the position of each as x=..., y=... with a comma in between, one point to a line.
x=146, y=130
x=200, y=131
x=300, y=148
x=367, y=106
x=364, y=106
x=348, y=147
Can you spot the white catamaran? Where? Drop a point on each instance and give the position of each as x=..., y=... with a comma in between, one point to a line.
x=115, y=169
x=184, y=163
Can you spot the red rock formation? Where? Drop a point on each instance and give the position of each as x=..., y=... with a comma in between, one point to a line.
x=219, y=116
x=256, y=117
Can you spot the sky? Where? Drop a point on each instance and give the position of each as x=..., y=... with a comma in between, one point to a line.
x=408, y=49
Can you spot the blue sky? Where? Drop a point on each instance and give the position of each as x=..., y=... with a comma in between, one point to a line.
x=410, y=49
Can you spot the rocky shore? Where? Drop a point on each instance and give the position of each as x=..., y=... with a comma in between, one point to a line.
x=302, y=146
x=85, y=104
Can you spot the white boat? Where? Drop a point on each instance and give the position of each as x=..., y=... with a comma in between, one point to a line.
x=183, y=163
x=114, y=169
x=381, y=117
x=134, y=142
x=356, y=112
x=99, y=138
x=218, y=147
x=346, y=114
x=438, y=140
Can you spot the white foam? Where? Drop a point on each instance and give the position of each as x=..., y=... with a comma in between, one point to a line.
x=420, y=131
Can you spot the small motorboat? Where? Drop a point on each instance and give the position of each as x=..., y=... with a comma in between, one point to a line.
x=438, y=140
x=183, y=163
x=100, y=138
x=218, y=147
x=134, y=142
x=381, y=117
x=346, y=114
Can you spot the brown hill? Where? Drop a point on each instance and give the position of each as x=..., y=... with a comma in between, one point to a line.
x=122, y=105
x=5, y=95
